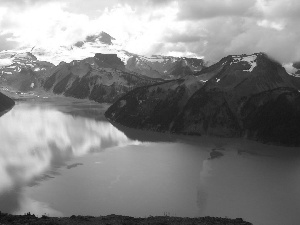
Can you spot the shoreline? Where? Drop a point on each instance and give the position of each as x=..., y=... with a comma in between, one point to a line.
x=113, y=219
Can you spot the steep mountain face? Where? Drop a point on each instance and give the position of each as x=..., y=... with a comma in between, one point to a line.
x=5, y=103
x=21, y=71
x=243, y=96
x=97, y=78
x=167, y=67
x=154, y=107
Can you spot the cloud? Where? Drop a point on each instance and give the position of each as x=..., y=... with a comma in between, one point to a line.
x=200, y=9
x=37, y=25
x=236, y=27
x=210, y=28
x=5, y=42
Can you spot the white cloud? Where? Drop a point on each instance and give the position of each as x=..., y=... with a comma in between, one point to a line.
x=213, y=28
x=46, y=24
x=269, y=24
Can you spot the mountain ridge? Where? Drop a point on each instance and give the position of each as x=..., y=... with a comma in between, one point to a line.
x=237, y=94
x=155, y=66
x=100, y=78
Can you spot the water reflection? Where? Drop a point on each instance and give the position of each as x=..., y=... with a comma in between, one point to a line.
x=35, y=140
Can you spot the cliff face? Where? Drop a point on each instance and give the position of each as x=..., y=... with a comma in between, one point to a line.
x=98, y=78
x=109, y=61
x=242, y=96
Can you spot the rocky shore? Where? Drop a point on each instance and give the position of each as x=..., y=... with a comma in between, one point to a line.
x=115, y=220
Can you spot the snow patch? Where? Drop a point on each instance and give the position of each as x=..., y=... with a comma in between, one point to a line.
x=10, y=67
x=250, y=59
x=6, y=62
x=155, y=59
x=32, y=85
x=290, y=69
x=218, y=80
x=36, y=69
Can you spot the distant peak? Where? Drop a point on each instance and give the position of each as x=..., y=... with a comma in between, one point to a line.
x=247, y=57
x=101, y=37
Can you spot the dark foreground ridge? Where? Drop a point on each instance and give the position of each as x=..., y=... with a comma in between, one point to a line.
x=241, y=96
x=6, y=103
x=116, y=219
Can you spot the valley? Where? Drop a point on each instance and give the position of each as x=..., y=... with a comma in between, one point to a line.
x=92, y=129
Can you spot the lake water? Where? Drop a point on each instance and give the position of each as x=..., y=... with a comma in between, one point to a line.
x=61, y=157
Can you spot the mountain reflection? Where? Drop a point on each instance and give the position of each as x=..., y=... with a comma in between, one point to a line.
x=34, y=140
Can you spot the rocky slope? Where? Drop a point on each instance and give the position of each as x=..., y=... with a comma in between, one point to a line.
x=21, y=71
x=100, y=78
x=243, y=96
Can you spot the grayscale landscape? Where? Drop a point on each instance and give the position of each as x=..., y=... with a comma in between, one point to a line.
x=150, y=112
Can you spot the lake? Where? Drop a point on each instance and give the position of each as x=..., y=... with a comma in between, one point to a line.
x=59, y=157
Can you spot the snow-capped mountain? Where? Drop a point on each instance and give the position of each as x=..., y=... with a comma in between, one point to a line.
x=240, y=96
x=29, y=69
x=100, y=78
x=21, y=71
x=155, y=66
x=255, y=73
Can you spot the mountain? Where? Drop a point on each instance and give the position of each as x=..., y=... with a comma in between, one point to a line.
x=156, y=66
x=167, y=67
x=21, y=71
x=248, y=96
x=102, y=37
x=39, y=68
x=5, y=103
x=100, y=78
x=154, y=107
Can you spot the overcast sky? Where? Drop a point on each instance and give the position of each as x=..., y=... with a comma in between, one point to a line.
x=209, y=28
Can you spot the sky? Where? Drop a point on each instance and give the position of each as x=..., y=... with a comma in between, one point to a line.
x=195, y=28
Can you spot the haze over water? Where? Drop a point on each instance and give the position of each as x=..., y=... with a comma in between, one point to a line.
x=63, y=158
